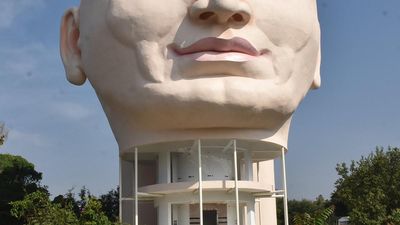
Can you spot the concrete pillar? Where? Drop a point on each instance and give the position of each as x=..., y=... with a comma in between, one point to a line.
x=248, y=166
x=164, y=213
x=127, y=184
x=267, y=206
x=174, y=166
x=164, y=167
x=175, y=214
x=184, y=214
x=231, y=213
x=257, y=212
x=250, y=212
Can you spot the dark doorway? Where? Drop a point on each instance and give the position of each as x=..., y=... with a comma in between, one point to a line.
x=210, y=217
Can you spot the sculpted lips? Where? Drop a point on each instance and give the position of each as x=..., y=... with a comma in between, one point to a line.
x=217, y=49
x=219, y=45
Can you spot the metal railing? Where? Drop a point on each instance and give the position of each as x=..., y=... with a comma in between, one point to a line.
x=230, y=145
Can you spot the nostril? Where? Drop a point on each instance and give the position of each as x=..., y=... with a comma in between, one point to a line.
x=237, y=17
x=205, y=15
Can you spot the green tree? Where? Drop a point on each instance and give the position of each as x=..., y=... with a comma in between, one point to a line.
x=2, y=139
x=317, y=218
x=37, y=209
x=301, y=207
x=110, y=203
x=92, y=213
x=369, y=188
x=68, y=200
x=395, y=217
x=3, y=133
x=18, y=178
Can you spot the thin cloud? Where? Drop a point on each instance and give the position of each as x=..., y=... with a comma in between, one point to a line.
x=11, y=9
x=23, y=60
x=28, y=139
x=72, y=111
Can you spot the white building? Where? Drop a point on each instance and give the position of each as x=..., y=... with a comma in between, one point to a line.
x=208, y=182
x=344, y=221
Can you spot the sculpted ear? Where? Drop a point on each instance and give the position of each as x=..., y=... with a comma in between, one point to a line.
x=69, y=47
x=317, y=76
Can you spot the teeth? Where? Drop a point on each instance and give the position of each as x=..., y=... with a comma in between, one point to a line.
x=223, y=56
x=234, y=58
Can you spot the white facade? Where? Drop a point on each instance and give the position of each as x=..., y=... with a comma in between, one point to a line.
x=168, y=73
x=344, y=220
x=236, y=184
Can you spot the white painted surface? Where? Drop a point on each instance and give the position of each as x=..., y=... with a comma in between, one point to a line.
x=153, y=90
x=216, y=165
x=235, y=160
x=164, y=212
x=164, y=167
x=136, y=188
x=200, y=178
x=231, y=212
x=184, y=214
x=127, y=191
x=250, y=207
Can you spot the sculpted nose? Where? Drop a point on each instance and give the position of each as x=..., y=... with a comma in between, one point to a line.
x=221, y=11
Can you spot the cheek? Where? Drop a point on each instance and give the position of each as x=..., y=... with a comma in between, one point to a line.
x=151, y=20
x=287, y=23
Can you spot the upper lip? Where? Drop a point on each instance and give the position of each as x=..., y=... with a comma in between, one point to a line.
x=214, y=44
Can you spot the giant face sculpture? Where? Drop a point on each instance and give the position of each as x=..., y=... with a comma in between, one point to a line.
x=183, y=69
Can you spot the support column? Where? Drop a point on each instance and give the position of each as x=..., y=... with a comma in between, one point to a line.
x=164, y=167
x=164, y=213
x=266, y=206
x=231, y=214
x=127, y=183
x=248, y=166
x=236, y=182
x=251, y=219
x=184, y=214
x=285, y=198
x=136, y=188
x=175, y=214
x=120, y=191
x=200, y=183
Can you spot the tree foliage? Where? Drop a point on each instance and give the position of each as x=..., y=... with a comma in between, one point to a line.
x=319, y=217
x=110, y=203
x=37, y=209
x=86, y=203
x=68, y=200
x=2, y=139
x=21, y=192
x=92, y=214
x=302, y=207
x=3, y=133
x=18, y=178
x=368, y=190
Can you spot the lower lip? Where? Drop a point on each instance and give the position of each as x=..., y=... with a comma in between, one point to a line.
x=210, y=56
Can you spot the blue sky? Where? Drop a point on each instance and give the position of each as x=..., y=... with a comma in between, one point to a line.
x=62, y=129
